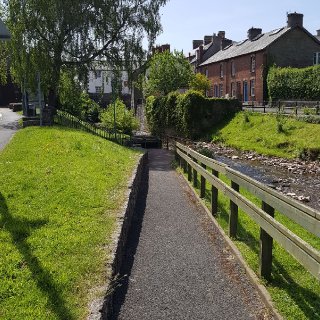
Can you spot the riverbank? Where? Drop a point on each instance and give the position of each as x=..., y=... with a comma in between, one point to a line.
x=272, y=135
x=299, y=179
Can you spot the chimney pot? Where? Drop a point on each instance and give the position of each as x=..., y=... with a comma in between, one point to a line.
x=295, y=20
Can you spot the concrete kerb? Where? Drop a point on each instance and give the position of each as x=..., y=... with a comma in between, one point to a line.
x=101, y=308
x=264, y=294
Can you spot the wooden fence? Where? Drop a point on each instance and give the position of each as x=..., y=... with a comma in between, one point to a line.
x=65, y=119
x=194, y=163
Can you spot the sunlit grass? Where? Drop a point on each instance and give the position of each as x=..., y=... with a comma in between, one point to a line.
x=59, y=192
x=269, y=134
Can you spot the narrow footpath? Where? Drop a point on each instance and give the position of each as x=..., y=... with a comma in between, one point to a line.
x=8, y=125
x=178, y=265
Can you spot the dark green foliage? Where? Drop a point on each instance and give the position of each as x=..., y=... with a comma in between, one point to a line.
x=190, y=115
x=294, y=83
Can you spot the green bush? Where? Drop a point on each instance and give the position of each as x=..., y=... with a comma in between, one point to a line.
x=126, y=122
x=190, y=115
x=294, y=83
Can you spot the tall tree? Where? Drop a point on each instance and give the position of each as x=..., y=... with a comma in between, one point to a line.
x=167, y=72
x=51, y=35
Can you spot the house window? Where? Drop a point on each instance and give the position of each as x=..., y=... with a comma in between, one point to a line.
x=233, y=89
x=220, y=90
x=97, y=74
x=207, y=73
x=221, y=70
x=216, y=91
x=252, y=87
x=233, y=69
x=316, y=58
x=99, y=89
x=253, y=63
x=211, y=92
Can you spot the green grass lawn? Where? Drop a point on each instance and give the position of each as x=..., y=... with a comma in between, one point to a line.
x=294, y=291
x=59, y=192
x=269, y=134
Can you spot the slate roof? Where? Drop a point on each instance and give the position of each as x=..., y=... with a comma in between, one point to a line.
x=247, y=46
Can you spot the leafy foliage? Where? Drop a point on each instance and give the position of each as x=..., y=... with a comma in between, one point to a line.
x=190, y=115
x=200, y=83
x=54, y=34
x=294, y=83
x=167, y=72
x=125, y=119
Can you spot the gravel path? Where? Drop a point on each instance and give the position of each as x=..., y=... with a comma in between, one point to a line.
x=178, y=264
x=8, y=125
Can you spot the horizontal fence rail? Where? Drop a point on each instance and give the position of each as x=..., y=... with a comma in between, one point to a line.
x=294, y=107
x=308, y=218
x=65, y=119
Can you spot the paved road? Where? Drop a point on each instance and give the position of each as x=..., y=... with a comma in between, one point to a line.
x=8, y=125
x=179, y=266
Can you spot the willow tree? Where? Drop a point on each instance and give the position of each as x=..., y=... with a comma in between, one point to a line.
x=49, y=36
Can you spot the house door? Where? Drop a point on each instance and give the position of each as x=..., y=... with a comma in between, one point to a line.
x=245, y=91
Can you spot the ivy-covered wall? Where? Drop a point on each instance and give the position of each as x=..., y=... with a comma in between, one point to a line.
x=294, y=83
x=189, y=115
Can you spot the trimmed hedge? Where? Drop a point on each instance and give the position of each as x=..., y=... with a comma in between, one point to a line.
x=190, y=115
x=294, y=83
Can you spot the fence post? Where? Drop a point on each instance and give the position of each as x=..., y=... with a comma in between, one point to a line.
x=189, y=171
x=279, y=105
x=233, y=219
x=203, y=183
x=296, y=108
x=195, y=175
x=214, y=196
x=266, y=241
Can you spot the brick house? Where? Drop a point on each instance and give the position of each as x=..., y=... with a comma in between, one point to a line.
x=240, y=69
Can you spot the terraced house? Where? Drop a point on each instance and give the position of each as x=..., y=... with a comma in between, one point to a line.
x=239, y=69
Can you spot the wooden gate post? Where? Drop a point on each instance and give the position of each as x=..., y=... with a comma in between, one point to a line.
x=266, y=241
x=214, y=196
x=233, y=219
x=203, y=183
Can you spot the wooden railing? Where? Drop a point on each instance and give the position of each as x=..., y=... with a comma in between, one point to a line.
x=65, y=119
x=194, y=163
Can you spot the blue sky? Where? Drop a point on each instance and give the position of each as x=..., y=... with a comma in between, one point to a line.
x=186, y=20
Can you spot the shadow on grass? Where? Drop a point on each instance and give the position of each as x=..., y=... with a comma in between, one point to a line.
x=20, y=230
x=131, y=247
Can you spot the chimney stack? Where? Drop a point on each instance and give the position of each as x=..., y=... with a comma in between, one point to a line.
x=222, y=34
x=295, y=20
x=318, y=33
x=196, y=44
x=253, y=33
x=199, y=54
x=207, y=40
x=225, y=43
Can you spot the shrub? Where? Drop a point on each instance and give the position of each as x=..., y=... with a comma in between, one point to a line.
x=126, y=122
x=294, y=83
x=190, y=115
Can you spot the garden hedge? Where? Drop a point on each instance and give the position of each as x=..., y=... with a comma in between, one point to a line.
x=189, y=115
x=294, y=83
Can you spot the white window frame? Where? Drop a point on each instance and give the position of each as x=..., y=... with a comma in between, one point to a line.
x=316, y=58
x=98, y=89
x=252, y=87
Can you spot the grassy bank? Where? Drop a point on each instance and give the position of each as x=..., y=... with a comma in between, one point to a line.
x=294, y=291
x=59, y=192
x=271, y=135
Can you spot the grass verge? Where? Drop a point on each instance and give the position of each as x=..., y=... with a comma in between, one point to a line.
x=294, y=291
x=59, y=192
x=275, y=135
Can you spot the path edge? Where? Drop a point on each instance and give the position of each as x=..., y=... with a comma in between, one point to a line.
x=262, y=291
x=101, y=308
